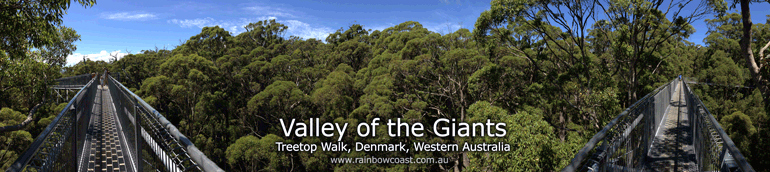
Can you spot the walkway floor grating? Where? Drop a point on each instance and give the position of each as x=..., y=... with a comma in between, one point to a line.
x=672, y=148
x=105, y=151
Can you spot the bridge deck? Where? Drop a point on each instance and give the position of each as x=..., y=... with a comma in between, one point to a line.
x=105, y=146
x=672, y=148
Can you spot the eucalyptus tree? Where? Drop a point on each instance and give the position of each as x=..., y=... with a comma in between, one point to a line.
x=262, y=33
x=211, y=43
x=756, y=65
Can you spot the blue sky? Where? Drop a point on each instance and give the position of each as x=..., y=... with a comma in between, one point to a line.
x=119, y=27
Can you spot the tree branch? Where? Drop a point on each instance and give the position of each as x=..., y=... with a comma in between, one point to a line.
x=762, y=55
x=24, y=123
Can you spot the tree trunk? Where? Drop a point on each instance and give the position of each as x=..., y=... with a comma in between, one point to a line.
x=754, y=69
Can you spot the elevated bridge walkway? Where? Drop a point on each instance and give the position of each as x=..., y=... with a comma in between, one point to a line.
x=106, y=127
x=669, y=129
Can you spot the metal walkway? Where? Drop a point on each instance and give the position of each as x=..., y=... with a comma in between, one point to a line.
x=671, y=148
x=109, y=128
x=669, y=129
x=105, y=142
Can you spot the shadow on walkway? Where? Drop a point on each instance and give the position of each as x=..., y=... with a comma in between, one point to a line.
x=672, y=148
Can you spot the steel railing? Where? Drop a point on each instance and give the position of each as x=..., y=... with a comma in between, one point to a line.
x=623, y=143
x=156, y=135
x=61, y=140
x=710, y=140
x=75, y=80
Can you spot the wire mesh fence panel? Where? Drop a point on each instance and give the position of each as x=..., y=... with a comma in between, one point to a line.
x=622, y=145
x=158, y=144
x=714, y=149
x=624, y=142
x=61, y=140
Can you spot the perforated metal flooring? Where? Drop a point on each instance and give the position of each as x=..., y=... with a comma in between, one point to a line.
x=106, y=149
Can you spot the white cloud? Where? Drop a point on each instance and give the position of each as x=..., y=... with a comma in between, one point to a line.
x=129, y=16
x=101, y=56
x=379, y=27
x=304, y=30
x=235, y=26
x=296, y=27
x=449, y=1
x=443, y=28
x=271, y=11
x=201, y=22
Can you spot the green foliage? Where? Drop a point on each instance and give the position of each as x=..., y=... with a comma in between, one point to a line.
x=11, y=117
x=335, y=93
x=740, y=129
x=250, y=153
x=34, y=25
x=531, y=138
x=56, y=53
x=730, y=97
x=554, y=85
x=10, y=141
x=554, y=78
x=135, y=68
x=282, y=99
x=211, y=43
x=85, y=66
x=24, y=82
x=262, y=34
x=33, y=50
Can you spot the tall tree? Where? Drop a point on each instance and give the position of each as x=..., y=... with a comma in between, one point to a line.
x=56, y=53
x=262, y=33
x=755, y=65
x=211, y=43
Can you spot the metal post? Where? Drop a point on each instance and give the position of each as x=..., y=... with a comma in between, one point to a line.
x=138, y=136
x=73, y=112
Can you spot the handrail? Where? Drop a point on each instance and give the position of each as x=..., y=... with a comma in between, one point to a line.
x=197, y=156
x=742, y=163
x=584, y=152
x=715, y=146
x=76, y=76
x=25, y=158
x=83, y=78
